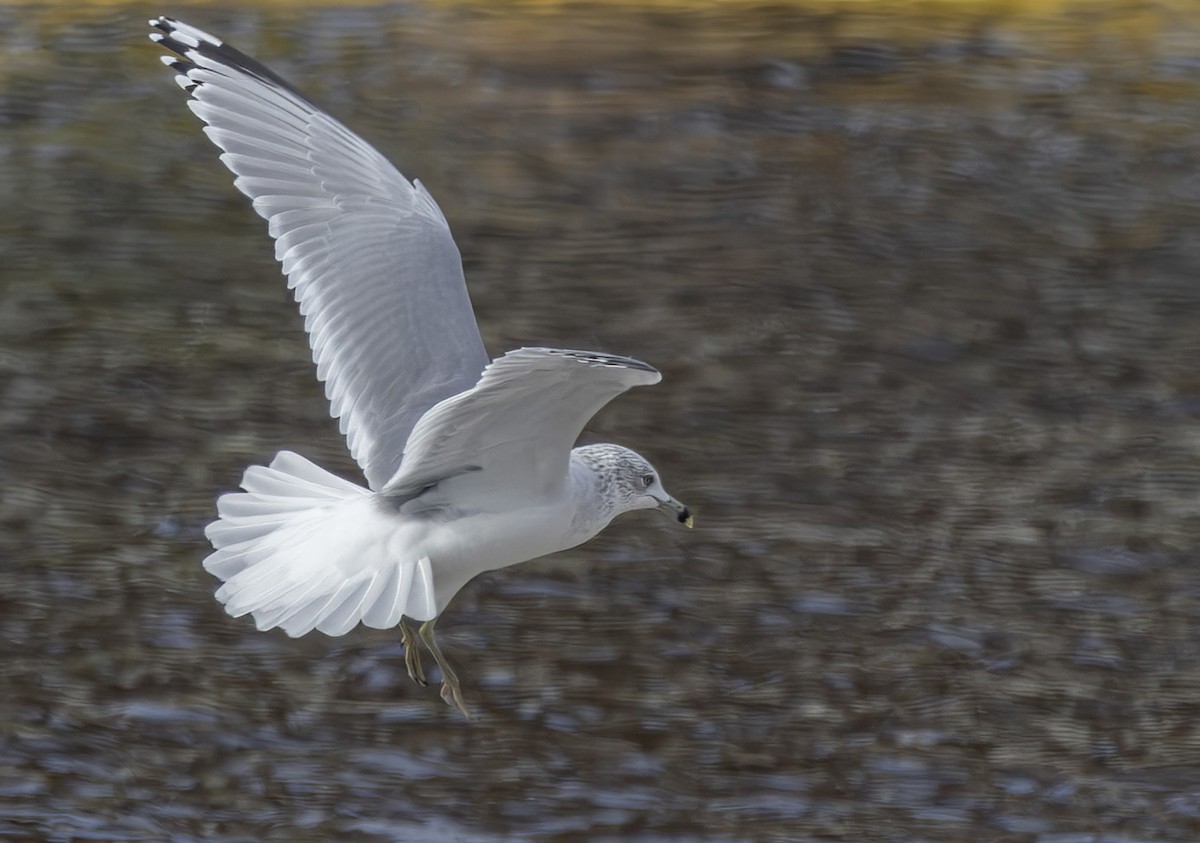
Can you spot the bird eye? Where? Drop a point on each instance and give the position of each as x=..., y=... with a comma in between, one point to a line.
x=647, y=480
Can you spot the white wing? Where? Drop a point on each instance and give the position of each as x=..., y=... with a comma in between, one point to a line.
x=514, y=430
x=370, y=256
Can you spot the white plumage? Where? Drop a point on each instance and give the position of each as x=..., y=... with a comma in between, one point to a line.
x=469, y=464
x=303, y=550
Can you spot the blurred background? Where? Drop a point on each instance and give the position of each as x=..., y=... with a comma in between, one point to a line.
x=922, y=281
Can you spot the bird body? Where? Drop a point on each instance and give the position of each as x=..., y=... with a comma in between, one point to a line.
x=302, y=549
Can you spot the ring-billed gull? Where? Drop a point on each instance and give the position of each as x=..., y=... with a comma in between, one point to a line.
x=469, y=462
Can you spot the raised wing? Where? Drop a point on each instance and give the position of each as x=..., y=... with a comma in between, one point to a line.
x=369, y=255
x=515, y=429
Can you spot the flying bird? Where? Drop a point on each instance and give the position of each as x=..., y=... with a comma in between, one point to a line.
x=469, y=461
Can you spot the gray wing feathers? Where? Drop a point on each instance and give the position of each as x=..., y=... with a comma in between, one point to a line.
x=369, y=254
x=522, y=418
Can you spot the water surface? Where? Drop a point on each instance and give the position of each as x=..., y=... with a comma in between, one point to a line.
x=922, y=282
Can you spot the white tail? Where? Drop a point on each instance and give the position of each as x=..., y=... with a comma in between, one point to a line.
x=303, y=549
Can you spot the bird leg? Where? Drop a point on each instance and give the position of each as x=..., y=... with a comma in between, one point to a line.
x=412, y=655
x=451, y=692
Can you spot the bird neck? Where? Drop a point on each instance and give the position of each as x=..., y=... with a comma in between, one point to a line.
x=593, y=506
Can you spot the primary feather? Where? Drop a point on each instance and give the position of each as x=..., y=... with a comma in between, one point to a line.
x=368, y=254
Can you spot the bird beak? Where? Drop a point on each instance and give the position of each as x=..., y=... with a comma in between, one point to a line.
x=677, y=511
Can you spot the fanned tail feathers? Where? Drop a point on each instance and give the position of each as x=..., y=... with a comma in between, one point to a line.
x=303, y=549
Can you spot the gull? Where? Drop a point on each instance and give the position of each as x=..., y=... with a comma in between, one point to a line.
x=469, y=461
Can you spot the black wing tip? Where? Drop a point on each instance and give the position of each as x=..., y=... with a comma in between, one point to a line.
x=186, y=42
x=599, y=358
x=198, y=49
x=180, y=37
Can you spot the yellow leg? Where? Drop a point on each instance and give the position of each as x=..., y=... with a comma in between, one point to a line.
x=412, y=655
x=451, y=692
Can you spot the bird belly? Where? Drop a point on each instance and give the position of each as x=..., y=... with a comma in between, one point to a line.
x=464, y=547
